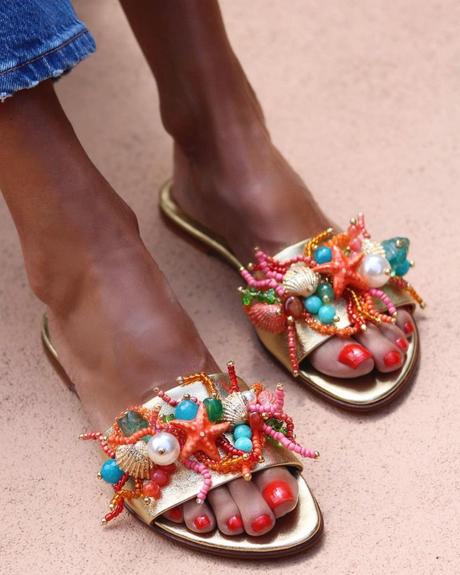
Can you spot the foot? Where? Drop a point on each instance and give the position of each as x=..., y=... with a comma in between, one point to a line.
x=236, y=183
x=120, y=333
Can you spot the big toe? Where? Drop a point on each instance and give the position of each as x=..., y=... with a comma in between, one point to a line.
x=387, y=355
x=343, y=358
x=279, y=489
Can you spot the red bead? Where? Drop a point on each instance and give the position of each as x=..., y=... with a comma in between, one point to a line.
x=171, y=468
x=160, y=476
x=151, y=489
x=294, y=307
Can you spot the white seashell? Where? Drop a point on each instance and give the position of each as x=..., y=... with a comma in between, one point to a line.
x=369, y=247
x=134, y=460
x=234, y=408
x=300, y=280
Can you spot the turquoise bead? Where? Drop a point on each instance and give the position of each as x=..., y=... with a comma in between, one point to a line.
x=186, y=409
x=312, y=304
x=242, y=430
x=325, y=292
x=326, y=314
x=396, y=250
x=402, y=268
x=110, y=471
x=244, y=444
x=322, y=255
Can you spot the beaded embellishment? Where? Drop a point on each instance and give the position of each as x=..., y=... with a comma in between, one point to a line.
x=346, y=266
x=225, y=435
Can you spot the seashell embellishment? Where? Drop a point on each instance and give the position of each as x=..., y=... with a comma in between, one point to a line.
x=234, y=408
x=269, y=317
x=370, y=247
x=300, y=280
x=134, y=460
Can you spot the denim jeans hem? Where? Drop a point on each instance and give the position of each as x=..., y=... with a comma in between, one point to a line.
x=51, y=64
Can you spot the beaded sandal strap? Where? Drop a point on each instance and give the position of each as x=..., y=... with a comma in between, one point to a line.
x=205, y=432
x=326, y=286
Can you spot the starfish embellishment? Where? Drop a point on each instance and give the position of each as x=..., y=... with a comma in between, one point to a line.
x=343, y=271
x=201, y=434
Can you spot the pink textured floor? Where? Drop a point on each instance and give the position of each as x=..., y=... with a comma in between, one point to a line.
x=363, y=99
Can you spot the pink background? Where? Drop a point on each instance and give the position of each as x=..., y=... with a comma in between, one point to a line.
x=364, y=99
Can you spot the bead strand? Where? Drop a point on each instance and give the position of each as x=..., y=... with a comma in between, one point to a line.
x=292, y=345
x=382, y=296
x=206, y=475
x=286, y=442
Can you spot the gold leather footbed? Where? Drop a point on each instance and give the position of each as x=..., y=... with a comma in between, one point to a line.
x=361, y=394
x=292, y=534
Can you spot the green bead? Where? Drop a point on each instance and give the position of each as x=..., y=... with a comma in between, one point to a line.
x=131, y=422
x=213, y=408
x=270, y=296
x=325, y=292
x=246, y=297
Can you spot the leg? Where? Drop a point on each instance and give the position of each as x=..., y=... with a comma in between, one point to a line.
x=227, y=173
x=85, y=260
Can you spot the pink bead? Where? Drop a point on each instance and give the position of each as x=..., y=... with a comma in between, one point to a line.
x=356, y=245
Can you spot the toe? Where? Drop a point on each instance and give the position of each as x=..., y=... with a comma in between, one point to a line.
x=279, y=489
x=395, y=335
x=405, y=322
x=344, y=358
x=387, y=355
x=176, y=514
x=257, y=516
x=226, y=511
x=198, y=517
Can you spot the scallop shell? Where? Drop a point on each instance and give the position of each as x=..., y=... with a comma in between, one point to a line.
x=234, y=408
x=269, y=317
x=300, y=280
x=371, y=247
x=134, y=460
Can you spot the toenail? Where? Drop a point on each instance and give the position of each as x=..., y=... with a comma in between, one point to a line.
x=175, y=514
x=401, y=342
x=408, y=328
x=235, y=523
x=276, y=493
x=392, y=358
x=201, y=522
x=261, y=523
x=353, y=355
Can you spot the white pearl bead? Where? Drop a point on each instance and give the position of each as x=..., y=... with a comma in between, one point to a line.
x=373, y=269
x=163, y=448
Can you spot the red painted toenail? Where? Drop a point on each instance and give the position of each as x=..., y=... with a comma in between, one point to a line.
x=276, y=493
x=401, y=342
x=392, y=358
x=261, y=523
x=201, y=522
x=235, y=523
x=175, y=514
x=353, y=355
x=408, y=328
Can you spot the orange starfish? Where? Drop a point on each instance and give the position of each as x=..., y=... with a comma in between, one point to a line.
x=343, y=271
x=201, y=434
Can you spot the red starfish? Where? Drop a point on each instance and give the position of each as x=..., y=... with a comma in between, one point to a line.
x=343, y=271
x=201, y=434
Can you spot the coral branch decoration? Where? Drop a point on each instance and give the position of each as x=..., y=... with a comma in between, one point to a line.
x=347, y=266
x=223, y=434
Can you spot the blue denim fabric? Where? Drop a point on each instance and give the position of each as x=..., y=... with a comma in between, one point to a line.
x=39, y=39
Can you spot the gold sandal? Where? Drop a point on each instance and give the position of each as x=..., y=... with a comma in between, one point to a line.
x=291, y=334
x=219, y=403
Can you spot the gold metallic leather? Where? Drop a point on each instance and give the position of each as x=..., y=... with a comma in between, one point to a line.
x=364, y=393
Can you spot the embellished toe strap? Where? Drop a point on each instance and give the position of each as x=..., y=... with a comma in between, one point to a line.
x=205, y=432
x=326, y=286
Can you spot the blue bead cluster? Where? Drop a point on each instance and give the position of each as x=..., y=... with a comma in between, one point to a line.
x=319, y=303
x=242, y=434
x=396, y=251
